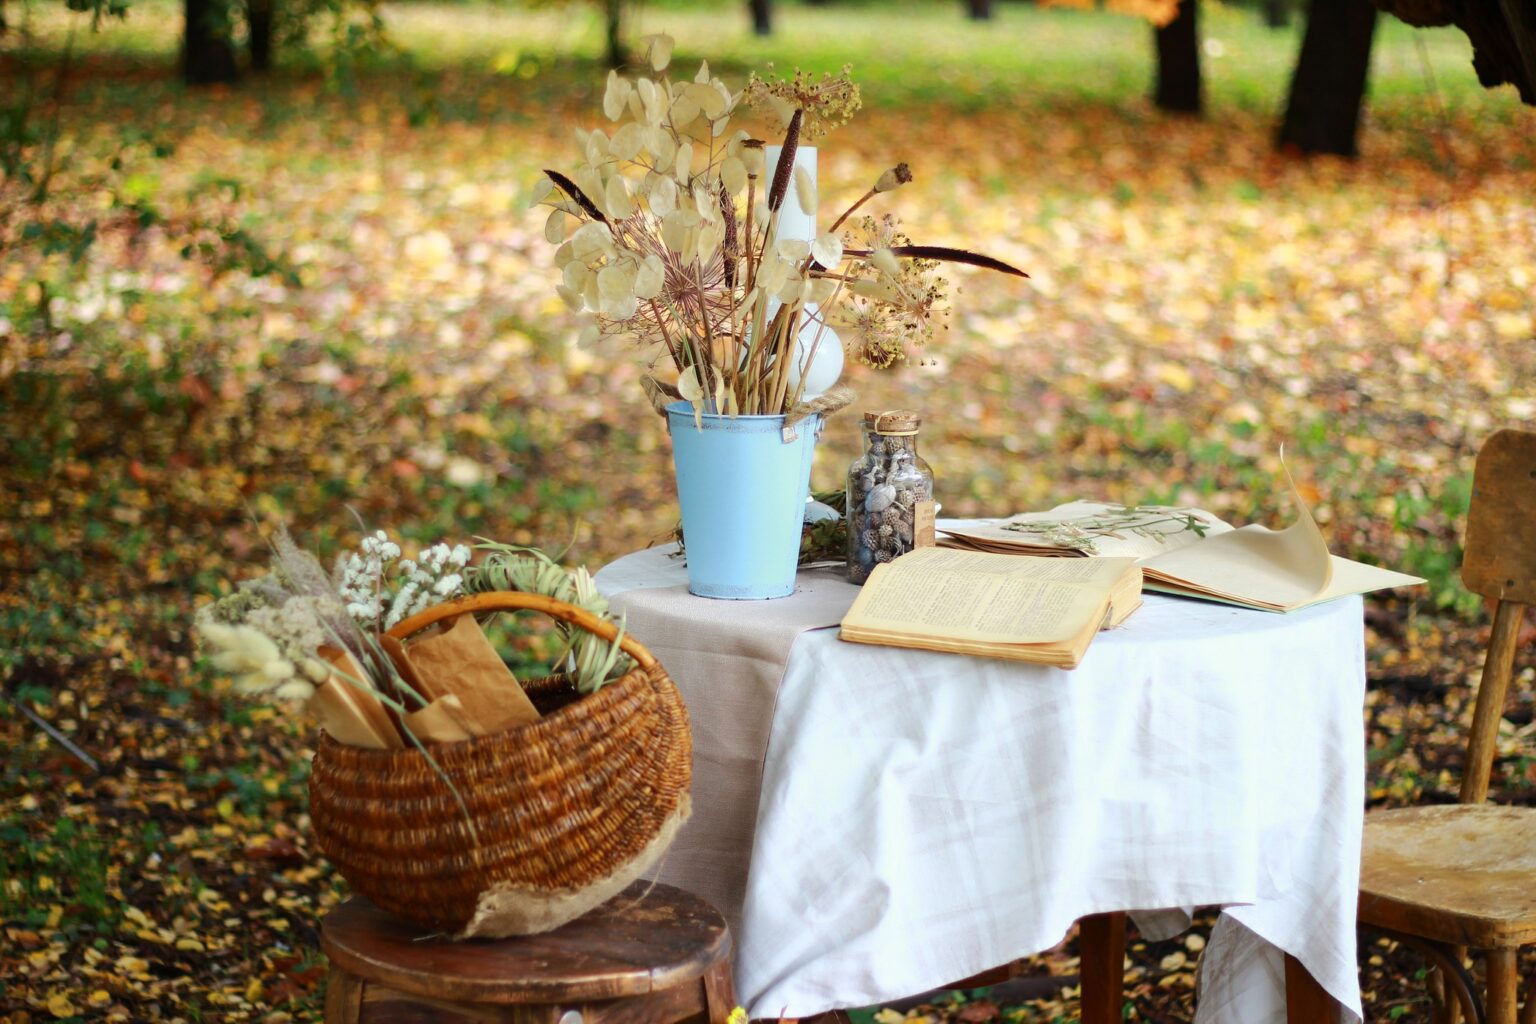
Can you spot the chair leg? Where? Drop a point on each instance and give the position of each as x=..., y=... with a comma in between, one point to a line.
x=1306, y=1002
x=1503, y=985
x=1101, y=955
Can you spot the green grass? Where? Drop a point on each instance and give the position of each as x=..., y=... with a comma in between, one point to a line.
x=903, y=53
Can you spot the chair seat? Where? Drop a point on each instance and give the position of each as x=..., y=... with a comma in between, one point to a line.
x=1463, y=874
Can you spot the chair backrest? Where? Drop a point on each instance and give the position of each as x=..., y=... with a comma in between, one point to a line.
x=1500, y=565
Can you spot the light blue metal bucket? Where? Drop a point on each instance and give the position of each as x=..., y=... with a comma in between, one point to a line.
x=742, y=490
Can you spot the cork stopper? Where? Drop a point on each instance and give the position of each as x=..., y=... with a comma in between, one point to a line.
x=893, y=422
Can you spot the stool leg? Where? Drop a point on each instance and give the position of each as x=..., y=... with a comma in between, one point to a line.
x=1528, y=1013
x=1503, y=985
x=719, y=992
x=343, y=997
x=1305, y=1000
x=1101, y=956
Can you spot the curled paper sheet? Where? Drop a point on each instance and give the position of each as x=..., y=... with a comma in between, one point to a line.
x=349, y=713
x=461, y=662
x=442, y=721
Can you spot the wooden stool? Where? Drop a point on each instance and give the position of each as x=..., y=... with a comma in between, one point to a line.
x=651, y=955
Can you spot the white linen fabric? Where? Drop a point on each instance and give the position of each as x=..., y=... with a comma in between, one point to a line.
x=922, y=816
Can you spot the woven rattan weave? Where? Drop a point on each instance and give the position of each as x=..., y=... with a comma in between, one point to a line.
x=566, y=810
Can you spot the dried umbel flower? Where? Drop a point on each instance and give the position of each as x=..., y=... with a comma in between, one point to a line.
x=827, y=103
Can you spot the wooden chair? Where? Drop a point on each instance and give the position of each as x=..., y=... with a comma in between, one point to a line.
x=651, y=955
x=1449, y=877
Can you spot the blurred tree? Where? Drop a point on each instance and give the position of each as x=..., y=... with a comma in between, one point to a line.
x=979, y=10
x=1277, y=13
x=207, y=52
x=1176, y=41
x=354, y=28
x=1178, y=62
x=1328, y=87
x=1502, y=32
x=1322, y=114
x=762, y=17
x=259, y=17
x=613, y=25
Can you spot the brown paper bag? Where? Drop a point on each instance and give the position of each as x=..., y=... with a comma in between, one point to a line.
x=461, y=661
x=396, y=651
x=442, y=721
x=350, y=714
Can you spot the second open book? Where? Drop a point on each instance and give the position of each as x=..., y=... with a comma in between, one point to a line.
x=1044, y=610
x=1192, y=553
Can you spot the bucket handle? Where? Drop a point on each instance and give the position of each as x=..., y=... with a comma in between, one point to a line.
x=511, y=600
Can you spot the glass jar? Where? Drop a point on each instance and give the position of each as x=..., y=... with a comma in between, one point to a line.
x=889, y=489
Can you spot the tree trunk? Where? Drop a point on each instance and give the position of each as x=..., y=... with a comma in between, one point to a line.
x=1328, y=86
x=614, y=12
x=259, y=15
x=762, y=17
x=1178, y=62
x=979, y=10
x=206, y=54
x=1277, y=13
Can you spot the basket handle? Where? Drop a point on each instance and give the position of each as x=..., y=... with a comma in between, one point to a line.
x=512, y=600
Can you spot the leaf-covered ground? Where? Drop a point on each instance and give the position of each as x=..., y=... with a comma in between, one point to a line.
x=304, y=297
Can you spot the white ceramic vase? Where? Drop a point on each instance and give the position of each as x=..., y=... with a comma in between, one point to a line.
x=819, y=350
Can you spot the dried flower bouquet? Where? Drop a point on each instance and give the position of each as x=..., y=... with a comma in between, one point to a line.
x=669, y=232
x=300, y=634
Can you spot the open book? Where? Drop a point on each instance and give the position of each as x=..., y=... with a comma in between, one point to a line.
x=1044, y=610
x=1190, y=552
x=1272, y=570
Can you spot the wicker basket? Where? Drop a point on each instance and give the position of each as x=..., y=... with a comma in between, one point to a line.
x=568, y=810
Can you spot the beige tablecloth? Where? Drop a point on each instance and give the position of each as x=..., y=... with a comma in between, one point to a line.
x=729, y=677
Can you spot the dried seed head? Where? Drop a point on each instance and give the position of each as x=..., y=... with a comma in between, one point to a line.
x=894, y=178
x=752, y=157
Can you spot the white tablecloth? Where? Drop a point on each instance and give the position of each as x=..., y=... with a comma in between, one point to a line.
x=922, y=817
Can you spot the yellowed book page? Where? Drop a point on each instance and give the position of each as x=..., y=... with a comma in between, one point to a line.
x=969, y=595
x=1060, y=655
x=1351, y=577
x=1280, y=569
